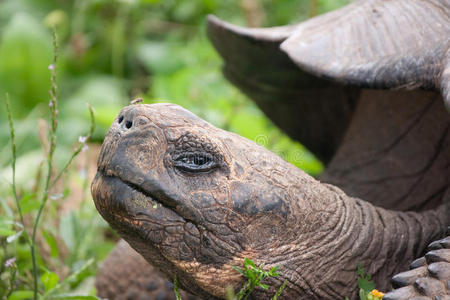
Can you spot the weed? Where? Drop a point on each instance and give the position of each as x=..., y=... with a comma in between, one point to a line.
x=255, y=275
x=49, y=279
x=366, y=286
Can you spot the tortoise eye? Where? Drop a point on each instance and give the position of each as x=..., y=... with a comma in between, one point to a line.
x=195, y=162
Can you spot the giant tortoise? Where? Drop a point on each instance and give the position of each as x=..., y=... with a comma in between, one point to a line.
x=365, y=88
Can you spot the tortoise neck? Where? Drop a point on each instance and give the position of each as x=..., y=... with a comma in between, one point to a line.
x=382, y=241
x=387, y=236
x=395, y=153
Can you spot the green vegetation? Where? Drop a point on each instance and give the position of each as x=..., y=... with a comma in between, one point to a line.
x=49, y=279
x=255, y=275
x=366, y=286
x=110, y=51
x=176, y=289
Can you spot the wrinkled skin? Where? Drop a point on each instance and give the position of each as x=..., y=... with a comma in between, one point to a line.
x=195, y=200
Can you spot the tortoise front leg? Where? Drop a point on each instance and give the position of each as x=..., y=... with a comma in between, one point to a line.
x=429, y=277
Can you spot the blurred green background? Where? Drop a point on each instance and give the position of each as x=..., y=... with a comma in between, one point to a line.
x=112, y=51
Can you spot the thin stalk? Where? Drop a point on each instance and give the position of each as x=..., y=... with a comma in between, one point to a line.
x=68, y=280
x=14, y=158
x=53, y=128
x=175, y=288
x=79, y=148
x=279, y=291
x=118, y=40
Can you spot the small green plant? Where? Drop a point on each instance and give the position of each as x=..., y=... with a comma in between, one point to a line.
x=365, y=283
x=366, y=286
x=255, y=275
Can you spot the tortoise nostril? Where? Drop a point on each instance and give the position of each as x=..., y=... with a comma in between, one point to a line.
x=120, y=119
x=128, y=124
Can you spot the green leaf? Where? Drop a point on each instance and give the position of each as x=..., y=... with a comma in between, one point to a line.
x=29, y=203
x=366, y=284
x=273, y=272
x=11, y=234
x=364, y=281
x=362, y=294
x=51, y=241
x=50, y=280
x=274, y=269
x=19, y=295
x=239, y=270
x=66, y=231
x=360, y=271
x=249, y=262
x=251, y=275
x=6, y=231
x=68, y=280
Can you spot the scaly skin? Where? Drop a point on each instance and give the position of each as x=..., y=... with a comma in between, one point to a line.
x=428, y=278
x=195, y=220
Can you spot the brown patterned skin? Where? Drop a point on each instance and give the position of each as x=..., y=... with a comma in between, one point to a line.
x=247, y=202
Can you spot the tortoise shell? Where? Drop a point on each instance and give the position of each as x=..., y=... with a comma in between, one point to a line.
x=307, y=77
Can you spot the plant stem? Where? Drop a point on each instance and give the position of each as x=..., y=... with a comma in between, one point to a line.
x=79, y=148
x=68, y=280
x=118, y=40
x=53, y=127
x=175, y=288
x=14, y=157
x=279, y=291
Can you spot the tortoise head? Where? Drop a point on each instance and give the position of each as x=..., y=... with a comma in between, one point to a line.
x=195, y=200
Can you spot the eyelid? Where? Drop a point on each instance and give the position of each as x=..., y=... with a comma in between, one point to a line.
x=181, y=164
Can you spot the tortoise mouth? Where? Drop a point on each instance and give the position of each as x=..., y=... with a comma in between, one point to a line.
x=123, y=203
x=140, y=219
